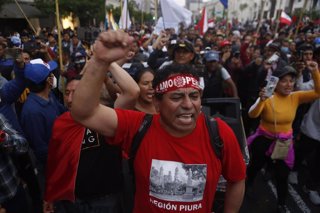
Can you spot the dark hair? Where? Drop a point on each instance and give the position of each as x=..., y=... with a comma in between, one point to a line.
x=27, y=51
x=139, y=73
x=66, y=51
x=172, y=69
x=76, y=77
x=36, y=88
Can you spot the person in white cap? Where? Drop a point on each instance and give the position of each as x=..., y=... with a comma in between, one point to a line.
x=41, y=107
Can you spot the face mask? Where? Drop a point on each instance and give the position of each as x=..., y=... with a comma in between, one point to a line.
x=285, y=50
x=54, y=82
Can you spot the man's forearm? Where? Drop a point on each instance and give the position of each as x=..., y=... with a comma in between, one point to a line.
x=234, y=196
x=109, y=47
x=88, y=90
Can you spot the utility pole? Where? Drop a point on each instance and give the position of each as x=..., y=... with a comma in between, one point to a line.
x=59, y=34
x=156, y=10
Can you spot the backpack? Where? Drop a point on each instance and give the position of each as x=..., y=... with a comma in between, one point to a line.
x=216, y=142
x=215, y=139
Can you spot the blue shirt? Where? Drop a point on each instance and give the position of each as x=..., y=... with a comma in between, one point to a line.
x=37, y=118
x=10, y=91
x=6, y=66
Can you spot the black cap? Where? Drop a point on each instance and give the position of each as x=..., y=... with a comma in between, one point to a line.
x=286, y=70
x=236, y=54
x=183, y=44
x=305, y=47
x=275, y=46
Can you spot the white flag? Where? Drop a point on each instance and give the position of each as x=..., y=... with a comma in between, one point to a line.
x=173, y=14
x=162, y=25
x=125, y=22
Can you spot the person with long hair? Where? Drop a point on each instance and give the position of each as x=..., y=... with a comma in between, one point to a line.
x=144, y=78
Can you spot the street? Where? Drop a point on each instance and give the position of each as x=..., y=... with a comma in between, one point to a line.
x=263, y=199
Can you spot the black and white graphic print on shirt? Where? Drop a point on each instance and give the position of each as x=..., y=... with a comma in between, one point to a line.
x=90, y=139
x=176, y=181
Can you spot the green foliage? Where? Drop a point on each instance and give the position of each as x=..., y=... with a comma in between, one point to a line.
x=243, y=6
x=87, y=10
x=313, y=14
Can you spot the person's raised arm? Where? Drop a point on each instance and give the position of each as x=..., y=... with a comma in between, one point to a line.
x=11, y=90
x=314, y=69
x=86, y=109
x=308, y=96
x=129, y=88
x=256, y=109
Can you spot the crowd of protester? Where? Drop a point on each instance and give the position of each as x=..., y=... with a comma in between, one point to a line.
x=36, y=94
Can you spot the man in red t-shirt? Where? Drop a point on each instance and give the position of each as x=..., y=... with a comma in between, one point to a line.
x=175, y=166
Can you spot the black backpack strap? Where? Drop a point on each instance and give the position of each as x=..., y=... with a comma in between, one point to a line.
x=127, y=166
x=147, y=120
x=216, y=142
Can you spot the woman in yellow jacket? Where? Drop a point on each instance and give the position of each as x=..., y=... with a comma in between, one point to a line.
x=276, y=116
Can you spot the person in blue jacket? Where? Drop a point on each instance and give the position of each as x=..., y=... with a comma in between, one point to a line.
x=13, y=197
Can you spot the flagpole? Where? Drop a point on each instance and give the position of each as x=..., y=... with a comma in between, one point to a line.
x=300, y=18
x=164, y=26
x=59, y=34
x=156, y=10
x=227, y=21
x=278, y=19
x=30, y=24
x=126, y=14
x=121, y=6
x=259, y=21
x=142, y=13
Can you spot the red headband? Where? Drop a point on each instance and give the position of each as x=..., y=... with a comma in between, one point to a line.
x=176, y=82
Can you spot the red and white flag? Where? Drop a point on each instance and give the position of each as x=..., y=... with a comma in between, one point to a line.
x=211, y=23
x=285, y=18
x=203, y=23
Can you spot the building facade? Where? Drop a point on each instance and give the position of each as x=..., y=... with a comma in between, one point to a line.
x=250, y=10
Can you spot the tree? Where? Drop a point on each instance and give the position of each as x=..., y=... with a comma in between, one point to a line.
x=86, y=10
